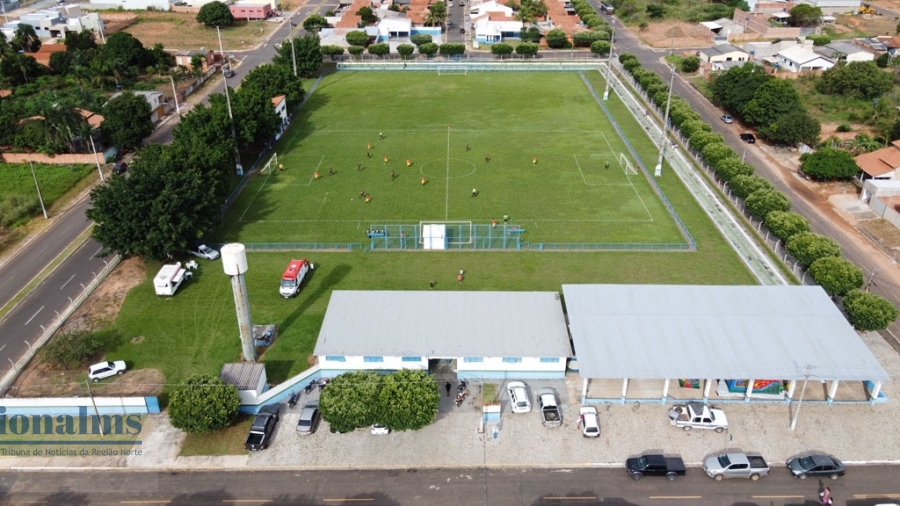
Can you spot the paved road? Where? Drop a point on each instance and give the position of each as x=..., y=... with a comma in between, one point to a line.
x=823, y=221
x=435, y=487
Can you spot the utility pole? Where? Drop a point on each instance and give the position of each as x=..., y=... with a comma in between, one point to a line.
x=612, y=52
x=175, y=95
x=293, y=51
x=40, y=198
x=665, y=126
x=237, y=154
x=96, y=158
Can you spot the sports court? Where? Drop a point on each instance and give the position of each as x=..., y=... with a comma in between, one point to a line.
x=469, y=149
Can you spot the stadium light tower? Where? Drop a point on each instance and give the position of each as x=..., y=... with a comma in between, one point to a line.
x=234, y=261
x=612, y=53
x=665, y=126
x=237, y=154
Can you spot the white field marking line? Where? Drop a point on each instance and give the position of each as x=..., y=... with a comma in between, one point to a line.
x=447, y=186
x=252, y=200
x=324, y=198
x=630, y=183
x=313, y=177
x=410, y=222
x=67, y=282
x=575, y=155
x=35, y=314
x=579, y=169
x=639, y=198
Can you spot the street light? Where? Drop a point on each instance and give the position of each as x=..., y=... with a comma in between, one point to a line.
x=237, y=154
x=40, y=198
x=612, y=52
x=665, y=126
x=875, y=271
x=293, y=51
x=174, y=94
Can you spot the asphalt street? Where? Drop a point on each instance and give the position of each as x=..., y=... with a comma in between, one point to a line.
x=437, y=487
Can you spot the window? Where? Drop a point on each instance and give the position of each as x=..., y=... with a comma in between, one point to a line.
x=373, y=359
x=549, y=360
x=473, y=359
x=334, y=358
x=412, y=359
x=511, y=360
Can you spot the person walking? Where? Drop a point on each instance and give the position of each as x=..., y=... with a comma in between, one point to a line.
x=423, y=180
x=368, y=198
x=393, y=175
x=448, y=386
x=467, y=147
x=368, y=154
x=408, y=163
x=381, y=135
x=330, y=171
x=493, y=222
x=316, y=175
x=505, y=218
x=533, y=160
x=358, y=167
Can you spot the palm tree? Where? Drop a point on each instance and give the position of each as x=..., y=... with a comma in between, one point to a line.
x=862, y=143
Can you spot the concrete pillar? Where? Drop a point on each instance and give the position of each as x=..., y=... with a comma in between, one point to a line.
x=584, y=387
x=665, y=391
x=790, y=392
x=749, y=391
x=706, y=388
x=875, y=391
x=624, y=389
x=832, y=391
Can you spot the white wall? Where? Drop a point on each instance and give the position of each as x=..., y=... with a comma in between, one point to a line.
x=359, y=363
x=132, y=5
x=497, y=364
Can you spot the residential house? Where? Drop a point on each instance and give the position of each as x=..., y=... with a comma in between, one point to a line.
x=249, y=10
x=801, y=58
x=491, y=28
x=156, y=100
x=873, y=45
x=881, y=164
x=280, y=105
x=393, y=28
x=54, y=23
x=769, y=6
x=767, y=52
x=723, y=53
x=134, y=5
x=834, y=6
x=843, y=51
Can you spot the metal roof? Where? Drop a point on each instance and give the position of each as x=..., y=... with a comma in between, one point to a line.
x=716, y=332
x=243, y=375
x=439, y=324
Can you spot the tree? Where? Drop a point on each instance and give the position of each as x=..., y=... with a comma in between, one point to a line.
x=429, y=49
x=273, y=80
x=655, y=11
x=255, y=120
x=368, y=17
x=197, y=65
x=836, y=276
x=600, y=47
x=716, y=152
x=437, y=14
x=734, y=89
x=405, y=50
x=792, y=128
x=556, y=38
x=452, y=49
x=805, y=15
x=126, y=120
x=530, y=34
x=856, y=79
x=786, y=224
x=124, y=48
x=215, y=13
x=202, y=140
x=501, y=49
x=61, y=61
x=333, y=51
x=25, y=39
x=161, y=209
x=862, y=143
x=587, y=39
x=307, y=52
x=349, y=402
x=407, y=400
x=690, y=64
x=868, y=312
x=380, y=49
x=699, y=140
x=744, y=186
x=17, y=69
x=80, y=41
x=204, y=403
x=420, y=38
x=357, y=51
x=357, y=38
x=314, y=23
x=771, y=100
x=829, y=163
x=807, y=247
x=527, y=49
x=762, y=202
x=71, y=349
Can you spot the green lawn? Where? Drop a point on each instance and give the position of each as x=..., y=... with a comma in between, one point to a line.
x=196, y=330
x=445, y=126
x=18, y=195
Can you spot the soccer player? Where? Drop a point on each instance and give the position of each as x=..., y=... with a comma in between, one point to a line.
x=385, y=159
x=474, y=192
x=423, y=180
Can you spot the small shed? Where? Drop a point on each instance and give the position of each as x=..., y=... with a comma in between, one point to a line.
x=248, y=377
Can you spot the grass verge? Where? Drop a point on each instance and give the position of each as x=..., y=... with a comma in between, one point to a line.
x=228, y=441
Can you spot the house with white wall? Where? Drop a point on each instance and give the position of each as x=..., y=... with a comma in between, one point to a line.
x=801, y=59
x=134, y=5
x=280, y=105
x=723, y=53
x=844, y=51
x=486, y=334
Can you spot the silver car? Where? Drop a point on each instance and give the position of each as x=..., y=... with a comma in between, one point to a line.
x=309, y=419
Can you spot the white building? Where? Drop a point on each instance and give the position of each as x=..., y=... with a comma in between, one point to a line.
x=844, y=51
x=800, y=59
x=55, y=22
x=767, y=51
x=834, y=6
x=134, y=5
x=723, y=53
x=249, y=378
x=486, y=334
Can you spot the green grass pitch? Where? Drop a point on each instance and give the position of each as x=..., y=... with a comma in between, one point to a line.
x=446, y=126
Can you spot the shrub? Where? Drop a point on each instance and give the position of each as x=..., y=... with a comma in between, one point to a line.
x=807, y=247
x=204, y=403
x=762, y=202
x=786, y=224
x=357, y=38
x=743, y=186
x=429, y=49
x=836, y=276
x=600, y=47
x=406, y=50
x=356, y=51
x=71, y=349
x=420, y=38
x=690, y=64
x=867, y=311
x=501, y=49
x=556, y=38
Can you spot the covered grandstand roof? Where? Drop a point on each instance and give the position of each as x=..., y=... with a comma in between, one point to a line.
x=443, y=324
x=715, y=332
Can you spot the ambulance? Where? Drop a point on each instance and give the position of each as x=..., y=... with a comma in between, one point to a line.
x=293, y=277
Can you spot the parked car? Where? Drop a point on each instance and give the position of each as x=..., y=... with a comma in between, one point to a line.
x=655, y=465
x=549, y=408
x=590, y=424
x=309, y=419
x=816, y=464
x=735, y=465
x=380, y=430
x=748, y=138
x=727, y=119
x=102, y=370
x=204, y=251
x=449, y=22
x=462, y=29
x=120, y=168
x=261, y=431
x=696, y=415
x=518, y=397
x=228, y=73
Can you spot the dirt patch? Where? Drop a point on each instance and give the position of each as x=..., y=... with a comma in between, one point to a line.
x=671, y=34
x=870, y=24
x=99, y=311
x=180, y=30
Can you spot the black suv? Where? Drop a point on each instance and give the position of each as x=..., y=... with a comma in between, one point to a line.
x=748, y=138
x=120, y=168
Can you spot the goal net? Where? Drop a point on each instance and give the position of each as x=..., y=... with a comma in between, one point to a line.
x=443, y=234
x=271, y=165
x=626, y=164
x=452, y=70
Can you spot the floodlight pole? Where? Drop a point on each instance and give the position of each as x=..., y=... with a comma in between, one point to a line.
x=665, y=126
x=293, y=51
x=809, y=369
x=237, y=154
x=612, y=52
x=40, y=198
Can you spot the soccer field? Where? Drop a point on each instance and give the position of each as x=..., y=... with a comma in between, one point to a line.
x=533, y=146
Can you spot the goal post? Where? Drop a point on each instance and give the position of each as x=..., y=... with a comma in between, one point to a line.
x=270, y=166
x=626, y=164
x=451, y=232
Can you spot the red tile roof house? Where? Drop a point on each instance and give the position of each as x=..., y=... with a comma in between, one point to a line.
x=881, y=164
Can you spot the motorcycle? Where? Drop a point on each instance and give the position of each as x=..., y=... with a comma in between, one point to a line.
x=322, y=383
x=461, y=388
x=461, y=393
x=292, y=402
x=309, y=388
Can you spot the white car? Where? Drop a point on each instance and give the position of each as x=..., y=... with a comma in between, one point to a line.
x=204, y=251
x=518, y=397
x=102, y=370
x=380, y=430
x=590, y=424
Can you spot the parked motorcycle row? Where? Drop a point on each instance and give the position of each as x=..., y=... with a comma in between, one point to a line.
x=314, y=384
x=461, y=393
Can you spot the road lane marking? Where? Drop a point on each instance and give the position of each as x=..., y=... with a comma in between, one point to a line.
x=362, y=499
x=67, y=282
x=676, y=497
x=160, y=501
x=778, y=496
x=587, y=497
x=247, y=500
x=35, y=314
x=876, y=496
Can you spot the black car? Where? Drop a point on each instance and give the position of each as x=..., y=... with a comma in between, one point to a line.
x=120, y=168
x=816, y=464
x=228, y=73
x=748, y=138
x=462, y=30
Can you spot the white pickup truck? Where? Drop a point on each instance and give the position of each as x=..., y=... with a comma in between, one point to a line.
x=549, y=408
x=696, y=415
x=735, y=465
